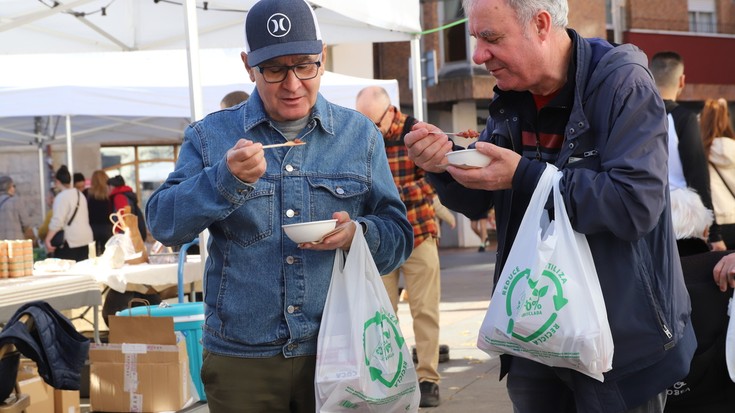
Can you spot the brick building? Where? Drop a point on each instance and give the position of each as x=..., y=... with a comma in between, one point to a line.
x=702, y=31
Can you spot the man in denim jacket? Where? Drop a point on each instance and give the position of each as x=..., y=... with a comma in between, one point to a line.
x=263, y=293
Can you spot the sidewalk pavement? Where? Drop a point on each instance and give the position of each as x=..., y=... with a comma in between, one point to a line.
x=469, y=380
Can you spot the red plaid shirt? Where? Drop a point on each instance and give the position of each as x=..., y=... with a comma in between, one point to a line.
x=416, y=193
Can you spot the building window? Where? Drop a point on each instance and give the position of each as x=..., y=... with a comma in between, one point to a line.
x=702, y=17
x=454, y=39
x=144, y=168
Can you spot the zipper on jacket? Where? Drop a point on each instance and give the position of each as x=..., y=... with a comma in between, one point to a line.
x=666, y=331
x=510, y=135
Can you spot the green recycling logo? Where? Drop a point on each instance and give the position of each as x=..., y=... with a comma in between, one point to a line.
x=382, y=343
x=534, y=301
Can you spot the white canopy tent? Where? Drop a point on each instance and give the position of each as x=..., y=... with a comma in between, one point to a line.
x=63, y=26
x=32, y=26
x=128, y=97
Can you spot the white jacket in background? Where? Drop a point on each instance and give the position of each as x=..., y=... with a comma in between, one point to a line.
x=722, y=155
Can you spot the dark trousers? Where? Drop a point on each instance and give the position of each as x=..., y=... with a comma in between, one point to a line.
x=535, y=388
x=76, y=254
x=259, y=385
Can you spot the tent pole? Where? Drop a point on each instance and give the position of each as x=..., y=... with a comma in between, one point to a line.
x=195, y=89
x=69, y=155
x=42, y=179
x=418, y=84
x=192, y=52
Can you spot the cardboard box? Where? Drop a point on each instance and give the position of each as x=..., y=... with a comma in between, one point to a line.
x=44, y=398
x=41, y=394
x=30, y=383
x=142, y=369
x=66, y=401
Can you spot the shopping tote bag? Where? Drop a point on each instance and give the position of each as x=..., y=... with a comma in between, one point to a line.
x=730, y=338
x=363, y=363
x=548, y=305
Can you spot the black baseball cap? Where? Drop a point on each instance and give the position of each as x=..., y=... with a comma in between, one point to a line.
x=275, y=28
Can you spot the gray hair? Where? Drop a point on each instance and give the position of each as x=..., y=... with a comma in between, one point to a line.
x=5, y=182
x=526, y=9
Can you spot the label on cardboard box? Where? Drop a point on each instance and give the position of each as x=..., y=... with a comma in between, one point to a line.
x=128, y=348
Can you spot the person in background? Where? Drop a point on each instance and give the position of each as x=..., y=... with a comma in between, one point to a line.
x=264, y=294
x=233, y=98
x=71, y=215
x=443, y=214
x=421, y=273
x=14, y=220
x=80, y=182
x=100, y=208
x=719, y=146
x=479, y=227
x=687, y=162
x=724, y=272
x=120, y=193
x=593, y=111
x=43, y=229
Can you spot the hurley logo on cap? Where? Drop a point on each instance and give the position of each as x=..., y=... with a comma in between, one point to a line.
x=279, y=25
x=275, y=28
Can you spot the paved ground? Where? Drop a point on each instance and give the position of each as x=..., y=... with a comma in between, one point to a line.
x=470, y=378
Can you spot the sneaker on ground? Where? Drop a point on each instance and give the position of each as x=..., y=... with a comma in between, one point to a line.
x=429, y=394
x=443, y=354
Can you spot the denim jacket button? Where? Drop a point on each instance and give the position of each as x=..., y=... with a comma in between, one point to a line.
x=340, y=191
x=290, y=309
x=289, y=168
x=290, y=213
x=289, y=260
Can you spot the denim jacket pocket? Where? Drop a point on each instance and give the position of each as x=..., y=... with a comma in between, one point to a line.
x=255, y=219
x=338, y=193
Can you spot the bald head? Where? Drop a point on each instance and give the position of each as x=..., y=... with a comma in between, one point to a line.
x=374, y=102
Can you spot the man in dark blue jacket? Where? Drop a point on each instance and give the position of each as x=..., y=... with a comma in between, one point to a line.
x=592, y=110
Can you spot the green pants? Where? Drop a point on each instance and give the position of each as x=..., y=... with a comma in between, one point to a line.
x=251, y=385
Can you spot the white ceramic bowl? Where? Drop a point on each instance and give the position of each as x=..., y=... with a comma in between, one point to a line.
x=309, y=231
x=468, y=158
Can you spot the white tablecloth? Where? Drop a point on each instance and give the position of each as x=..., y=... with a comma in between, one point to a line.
x=148, y=274
x=61, y=291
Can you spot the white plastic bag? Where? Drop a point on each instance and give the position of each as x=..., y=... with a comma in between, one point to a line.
x=363, y=363
x=548, y=305
x=730, y=338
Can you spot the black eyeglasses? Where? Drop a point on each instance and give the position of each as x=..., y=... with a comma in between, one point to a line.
x=383, y=116
x=277, y=74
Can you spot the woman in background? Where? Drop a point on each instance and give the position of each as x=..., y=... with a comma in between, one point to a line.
x=100, y=208
x=719, y=146
x=70, y=214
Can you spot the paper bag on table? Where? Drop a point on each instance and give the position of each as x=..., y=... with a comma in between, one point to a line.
x=126, y=221
x=144, y=368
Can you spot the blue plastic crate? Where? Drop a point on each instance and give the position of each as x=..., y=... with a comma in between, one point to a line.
x=188, y=319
